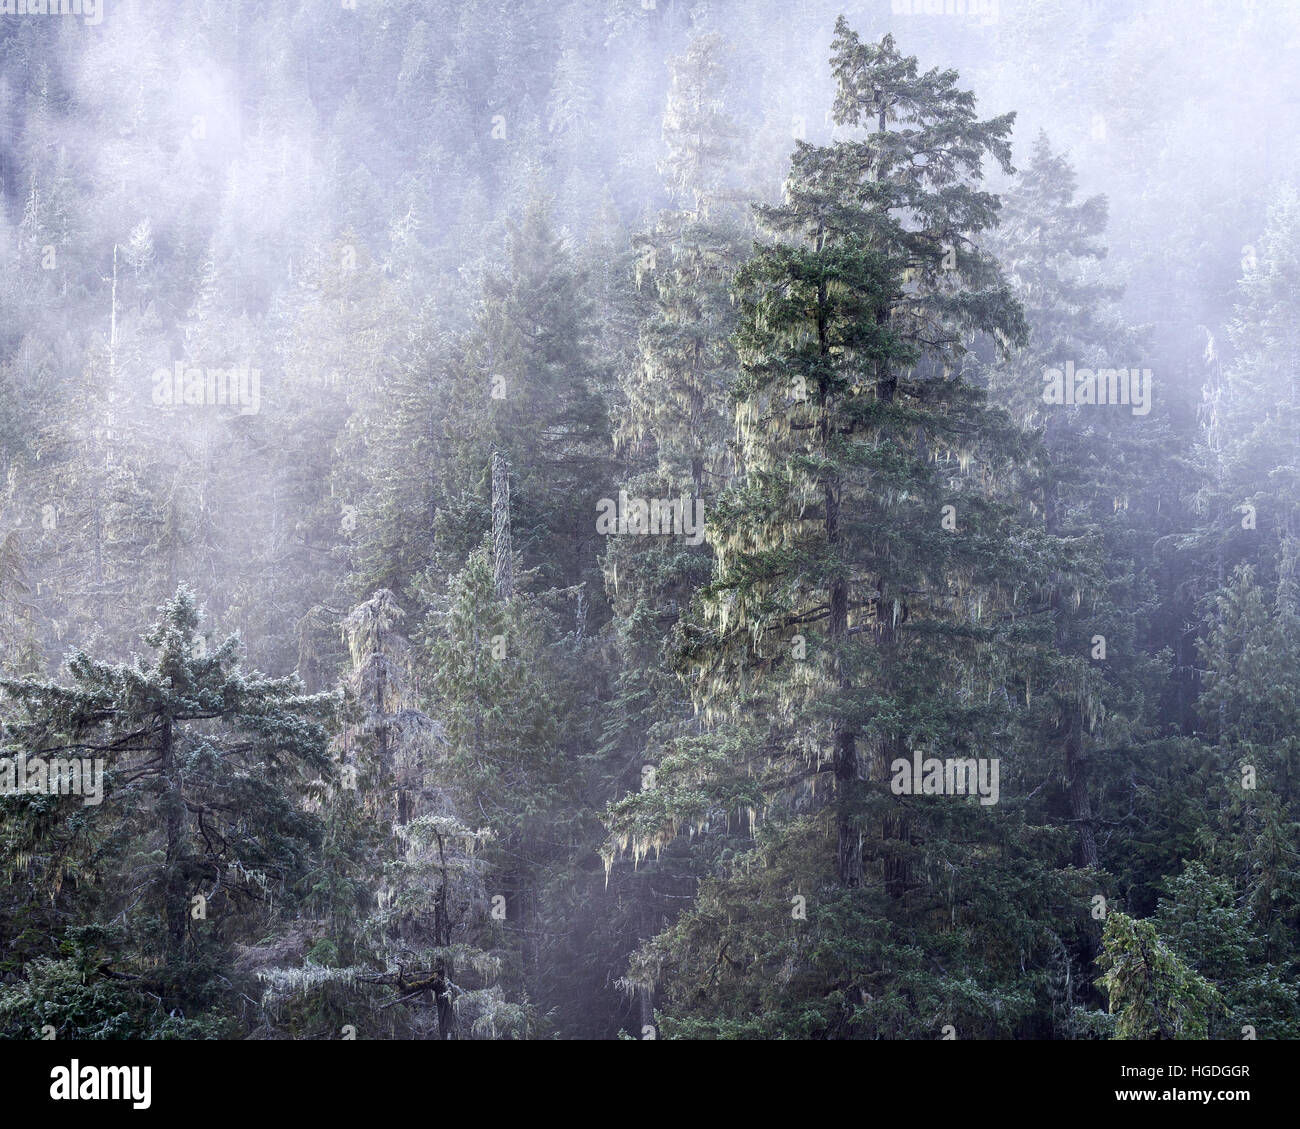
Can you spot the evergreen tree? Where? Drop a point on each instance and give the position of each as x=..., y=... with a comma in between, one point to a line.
x=1090, y=485
x=1153, y=994
x=510, y=688
x=1202, y=919
x=523, y=385
x=201, y=828
x=849, y=609
x=1249, y=451
x=407, y=951
x=677, y=396
x=853, y=431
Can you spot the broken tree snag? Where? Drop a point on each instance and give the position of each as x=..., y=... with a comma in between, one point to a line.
x=445, y=1001
x=503, y=571
x=433, y=985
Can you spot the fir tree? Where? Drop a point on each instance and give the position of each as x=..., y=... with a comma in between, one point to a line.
x=203, y=768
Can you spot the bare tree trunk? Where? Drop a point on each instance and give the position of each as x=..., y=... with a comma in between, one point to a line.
x=503, y=561
x=646, y=1000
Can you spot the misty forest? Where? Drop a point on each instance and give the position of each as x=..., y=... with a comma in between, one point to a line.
x=631, y=519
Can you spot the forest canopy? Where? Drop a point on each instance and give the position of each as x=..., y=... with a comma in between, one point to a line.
x=628, y=519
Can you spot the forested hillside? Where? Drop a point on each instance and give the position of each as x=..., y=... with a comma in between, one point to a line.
x=628, y=519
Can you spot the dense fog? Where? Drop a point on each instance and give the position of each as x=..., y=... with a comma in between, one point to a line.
x=597, y=519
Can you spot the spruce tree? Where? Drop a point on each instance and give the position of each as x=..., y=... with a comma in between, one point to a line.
x=854, y=431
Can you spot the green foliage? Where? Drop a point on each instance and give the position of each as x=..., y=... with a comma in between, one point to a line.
x=1153, y=993
x=650, y=784
x=202, y=764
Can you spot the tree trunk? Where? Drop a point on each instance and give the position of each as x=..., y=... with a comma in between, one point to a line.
x=502, y=556
x=844, y=739
x=1076, y=783
x=849, y=853
x=174, y=901
x=1076, y=757
x=646, y=999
